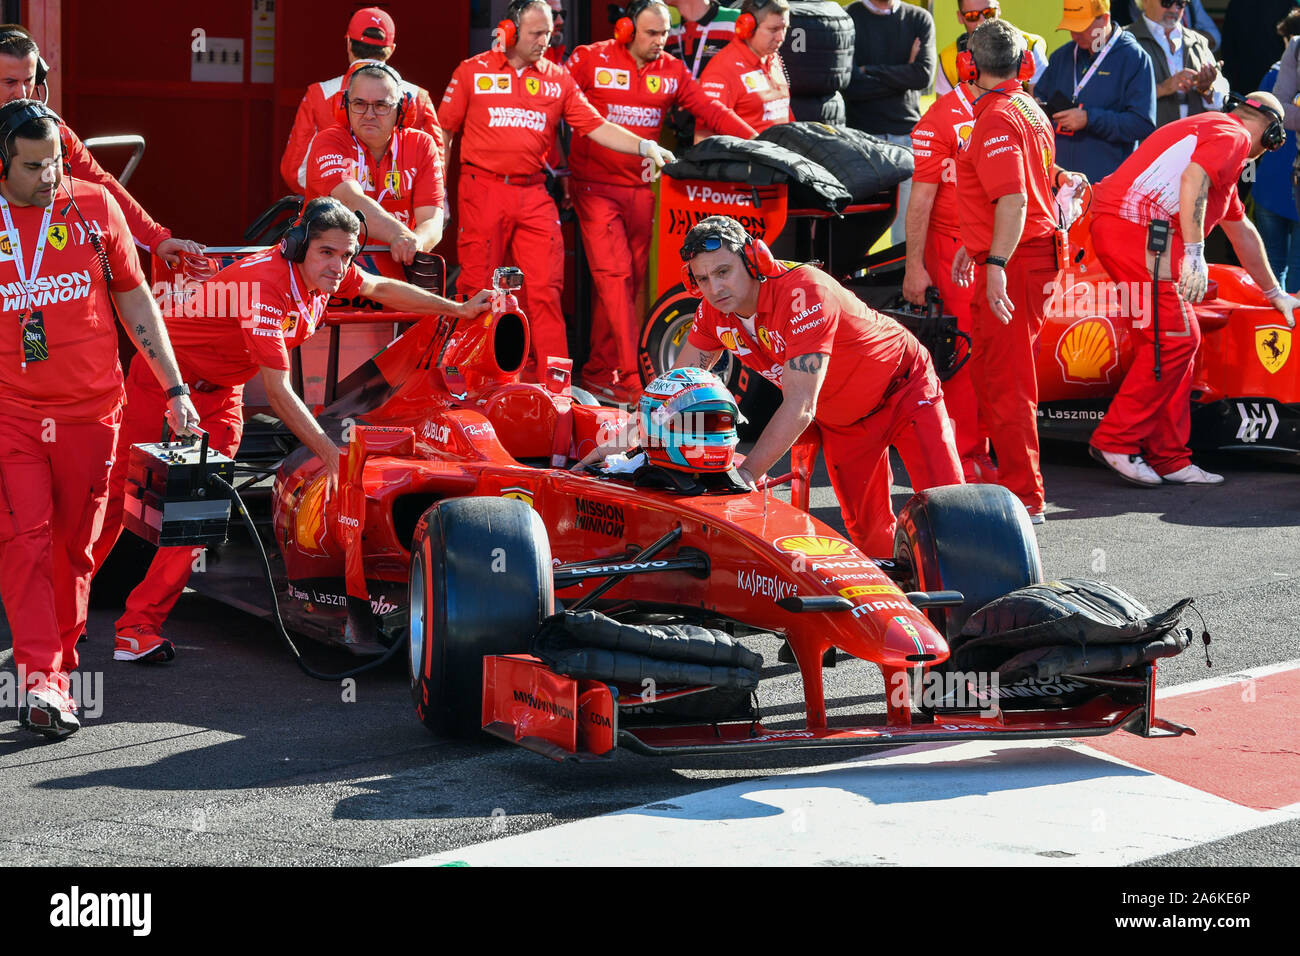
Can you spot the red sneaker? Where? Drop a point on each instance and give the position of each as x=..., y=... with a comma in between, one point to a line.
x=141, y=644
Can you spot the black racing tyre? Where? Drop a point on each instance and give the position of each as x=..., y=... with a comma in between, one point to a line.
x=818, y=49
x=480, y=583
x=662, y=337
x=975, y=539
x=820, y=109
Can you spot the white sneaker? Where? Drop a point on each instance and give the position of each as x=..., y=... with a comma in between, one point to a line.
x=1193, y=475
x=49, y=711
x=1129, y=467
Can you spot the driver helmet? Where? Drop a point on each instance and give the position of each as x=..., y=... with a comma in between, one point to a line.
x=687, y=420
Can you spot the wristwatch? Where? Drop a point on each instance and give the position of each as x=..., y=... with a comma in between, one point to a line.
x=179, y=390
x=998, y=261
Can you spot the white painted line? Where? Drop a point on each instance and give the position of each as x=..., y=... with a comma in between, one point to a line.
x=1236, y=677
x=1013, y=803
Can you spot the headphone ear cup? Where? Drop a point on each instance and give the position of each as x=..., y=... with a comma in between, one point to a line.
x=508, y=33
x=341, y=112
x=746, y=24
x=624, y=30
x=966, y=70
x=765, y=263
x=688, y=280
x=1027, y=67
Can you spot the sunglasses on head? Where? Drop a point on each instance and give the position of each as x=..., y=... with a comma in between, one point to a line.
x=1170, y=4
x=972, y=16
x=703, y=244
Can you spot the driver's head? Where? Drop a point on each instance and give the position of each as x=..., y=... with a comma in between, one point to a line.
x=712, y=254
x=18, y=56
x=332, y=230
x=33, y=157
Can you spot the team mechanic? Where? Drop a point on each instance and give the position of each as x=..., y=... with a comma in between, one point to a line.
x=1186, y=172
x=61, y=397
x=749, y=75
x=22, y=72
x=1009, y=224
x=374, y=165
x=862, y=379
x=507, y=104
x=632, y=82
x=290, y=288
x=372, y=38
x=934, y=236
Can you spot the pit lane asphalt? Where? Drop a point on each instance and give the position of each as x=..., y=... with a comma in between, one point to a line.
x=229, y=755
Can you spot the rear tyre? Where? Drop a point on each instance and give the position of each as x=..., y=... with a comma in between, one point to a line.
x=975, y=539
x=480, y=583
x=662, y=338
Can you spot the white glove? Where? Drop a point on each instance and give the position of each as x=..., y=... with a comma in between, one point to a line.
x=1194, y=278
x=1069, y=204
x=657, y=155
x=1286, y=304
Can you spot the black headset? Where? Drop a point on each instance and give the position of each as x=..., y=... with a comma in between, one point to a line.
x=1275, y=133
x=13, y=117
x=42, y=68
x=293, y=244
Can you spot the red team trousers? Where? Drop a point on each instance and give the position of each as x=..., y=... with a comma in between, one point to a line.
x=1146, y=417
x=221, y=415
x=616, y=231
x=959, y=390
x=504, y=224
x=53, y=488
x=1003, y=366
x=913, y=420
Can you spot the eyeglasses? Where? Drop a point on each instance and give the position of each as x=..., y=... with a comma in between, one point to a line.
x=704, y=244
x=380, y=107
x=1169, y=4
x=973, y=16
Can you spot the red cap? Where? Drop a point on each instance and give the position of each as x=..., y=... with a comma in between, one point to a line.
x=372, y=19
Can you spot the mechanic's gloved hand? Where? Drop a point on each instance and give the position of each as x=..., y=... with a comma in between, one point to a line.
x=1284, y=303
x=658, y=156
x=1194, y=278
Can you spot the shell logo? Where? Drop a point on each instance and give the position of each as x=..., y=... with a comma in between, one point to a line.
x=729, y=340
x=484, y=83
x=963, y=134
x=750, y=82
x=1087, y=353
x=812, y=545
x=604, y=78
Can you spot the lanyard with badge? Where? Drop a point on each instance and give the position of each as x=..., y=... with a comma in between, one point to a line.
x=1079, y=84
x=393, y=179
x=31, y=322
x=312, y=315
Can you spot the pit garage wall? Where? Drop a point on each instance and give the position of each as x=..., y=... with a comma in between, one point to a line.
x=212, y=163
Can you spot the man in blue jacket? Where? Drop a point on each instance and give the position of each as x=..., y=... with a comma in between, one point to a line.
x=1099, y=90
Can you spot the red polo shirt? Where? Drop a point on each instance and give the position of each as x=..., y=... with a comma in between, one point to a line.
x=508, y=117
x=943, y=132
x=805, y=311
x=639, y=101
x=247, y=316
x=1013, y=151
x=1146, y=185
x=81, y=380
x=756, y=89
x=337, y=155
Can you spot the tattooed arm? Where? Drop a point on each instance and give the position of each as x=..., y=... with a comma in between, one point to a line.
x=692, y=357
x=801, y=382
x=139, y=314
x=1193, y=194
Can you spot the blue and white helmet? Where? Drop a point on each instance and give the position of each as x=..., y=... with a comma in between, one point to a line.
x=688, y=421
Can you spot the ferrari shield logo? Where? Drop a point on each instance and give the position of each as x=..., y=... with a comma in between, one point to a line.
x=765, y=338
x=519, y=494
x=393, y=182
x=652, y=84
x=58, y=236
x=532, y=85
x=1273, y=346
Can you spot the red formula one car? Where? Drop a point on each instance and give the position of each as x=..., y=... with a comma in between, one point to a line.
x=460, y=527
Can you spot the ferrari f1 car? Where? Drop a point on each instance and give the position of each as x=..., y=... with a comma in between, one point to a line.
x=460, y=528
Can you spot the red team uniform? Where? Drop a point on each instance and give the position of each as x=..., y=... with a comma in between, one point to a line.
x=880, y=390
x=1013, y=152
x=504, y=213
x=1148, y=417
x=318, y=112
x=943, y=132
x=269, y=313
x=611, y=191
x=58, y=420
x=407, y=176
x=755, y=88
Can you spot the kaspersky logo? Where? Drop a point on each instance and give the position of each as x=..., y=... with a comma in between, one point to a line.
x=813, y=546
